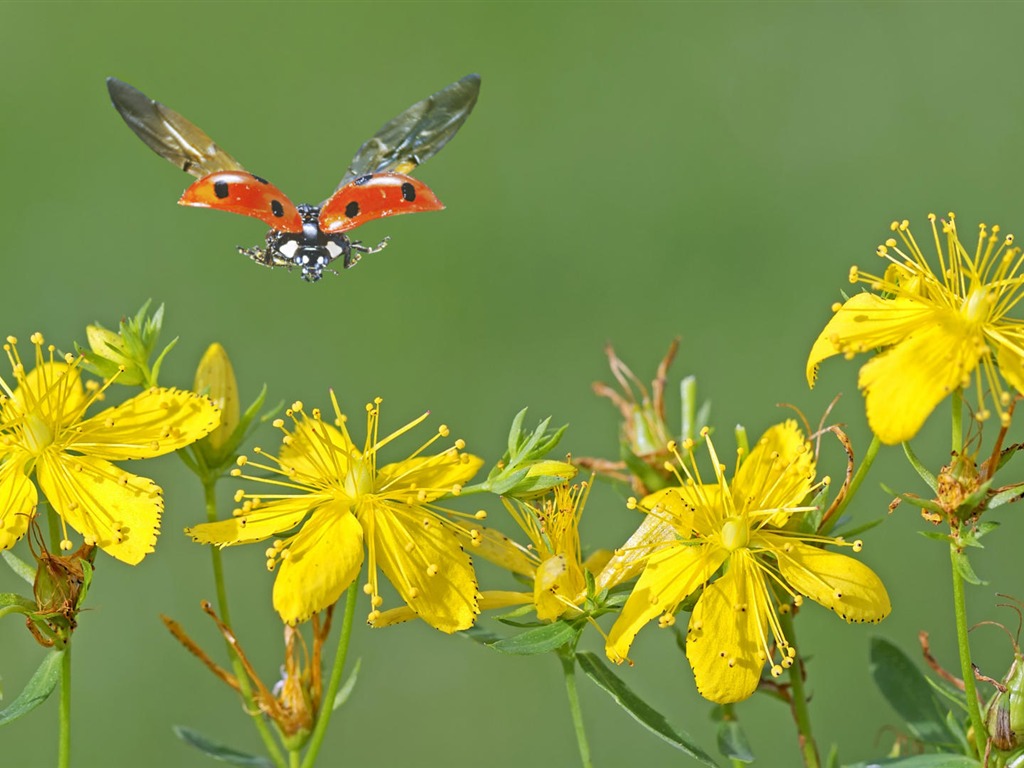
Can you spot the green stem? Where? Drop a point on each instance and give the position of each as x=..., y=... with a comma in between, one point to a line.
x=966, y=668
x=798, y=697
x=957, y=409
x=294, y=758
x=327, y=703
x=266, y=734
x=64, y=744
x=569, y=670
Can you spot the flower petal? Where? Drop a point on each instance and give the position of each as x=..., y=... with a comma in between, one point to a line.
x=1011, y=363
x=865, y=322
x=422, y=558
x=722, y=641
x=18, y=499
x=428, y=477
x=904, y=384
x=269, y=519
x=323, y=559
x=670, y=576
x=152, y=423
x=113, y=509
x=778, y=473
x=495, y=547
x=840, y=583
x=317, y=450
x=629, y=559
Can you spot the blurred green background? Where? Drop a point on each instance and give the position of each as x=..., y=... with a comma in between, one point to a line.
x=632, y=172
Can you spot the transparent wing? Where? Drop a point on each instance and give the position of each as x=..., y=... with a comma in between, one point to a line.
x=169, y=134
x=417, y=134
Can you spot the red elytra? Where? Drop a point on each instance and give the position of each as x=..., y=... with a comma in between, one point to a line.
x=373, y=197
x=247, y=194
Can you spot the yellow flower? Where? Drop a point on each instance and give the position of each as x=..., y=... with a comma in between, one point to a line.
x=742, y=526
x=342, y=500
x=938, y=329
x=44, y=432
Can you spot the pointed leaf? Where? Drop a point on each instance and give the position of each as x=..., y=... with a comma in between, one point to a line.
x=550, y=637
x=732, y=742
x=41, y=685
x=348, y=686
x=478, y=634
x=514, y=430
x=19, y=566
x=639, y=709
x=907, y=690
x=963, y=566
x=921, y=470
x=218, y=751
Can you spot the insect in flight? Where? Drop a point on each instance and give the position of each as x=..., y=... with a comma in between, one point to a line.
x=309, y=237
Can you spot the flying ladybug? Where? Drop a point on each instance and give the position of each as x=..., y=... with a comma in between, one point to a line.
x=310, y=237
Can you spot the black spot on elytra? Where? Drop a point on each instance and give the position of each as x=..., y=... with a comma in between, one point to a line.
x=363, y=179
x=260, y=179
x=276, y=208
x=352, y=209
x=220, y=189
x=408, y=192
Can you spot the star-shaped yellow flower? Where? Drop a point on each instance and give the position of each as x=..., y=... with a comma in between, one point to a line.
x=343, y=500
x=740, y=526
x=937, y=329
x=44, y=433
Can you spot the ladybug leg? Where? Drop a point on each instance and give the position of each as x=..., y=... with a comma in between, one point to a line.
x=259, y=255
x=351, y=259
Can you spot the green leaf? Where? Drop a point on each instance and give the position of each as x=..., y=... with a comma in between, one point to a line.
x=936, y=536
x=550, y=637
x=19, y=566
x=907, y=690
x=922, y=761
x=13, y=603
x=1006, y=496
x=640, y=710
x=219, y=751
x=927, y=476
x=348, y=686
x=964, y=568
x=478, y=634
x=38, y=688
x=732, y=742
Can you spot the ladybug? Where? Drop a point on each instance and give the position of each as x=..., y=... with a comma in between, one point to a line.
x=310, y=237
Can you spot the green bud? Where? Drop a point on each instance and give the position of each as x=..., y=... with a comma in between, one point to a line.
x=108, y=356
x=216, y=378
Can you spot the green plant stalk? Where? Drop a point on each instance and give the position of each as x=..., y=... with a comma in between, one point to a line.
x=266, y=734
x=957, y=409
x=798, y=698
x=64, y=713
x=966, y=668
x=327, y=703
x=569, y=670
x=294, y=758
x=64, y=744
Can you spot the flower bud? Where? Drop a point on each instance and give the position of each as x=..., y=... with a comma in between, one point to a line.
x=108, y=354
x=216, y=378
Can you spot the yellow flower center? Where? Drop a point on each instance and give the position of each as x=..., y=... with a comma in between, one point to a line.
x=976, y=306
x=735, y=533
x=37, y=434
x=358, y=480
